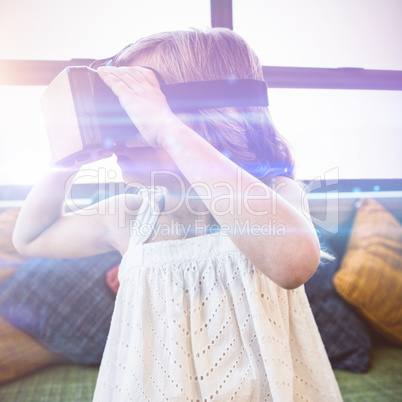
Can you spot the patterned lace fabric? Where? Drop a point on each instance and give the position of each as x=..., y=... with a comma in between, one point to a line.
x=195, y=321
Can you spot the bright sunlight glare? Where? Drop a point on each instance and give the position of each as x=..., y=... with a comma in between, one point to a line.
x=24, y=148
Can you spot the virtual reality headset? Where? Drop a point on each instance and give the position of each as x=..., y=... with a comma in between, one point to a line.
x=83, y=116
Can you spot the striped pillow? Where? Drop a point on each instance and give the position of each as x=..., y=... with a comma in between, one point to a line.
x=65, y=304
x=370, y=277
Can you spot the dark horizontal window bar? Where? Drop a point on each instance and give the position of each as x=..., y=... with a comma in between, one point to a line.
x=222, y=13
x=332, y=78
x=42, y=72
x=35, y=72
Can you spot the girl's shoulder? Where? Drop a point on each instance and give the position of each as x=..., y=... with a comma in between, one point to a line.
x=117, y=204
x=128, y=206
x=130, y=202
x=118, y=212
x=118, y=209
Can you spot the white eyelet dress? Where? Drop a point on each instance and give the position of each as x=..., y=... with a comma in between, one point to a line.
x=194, y=320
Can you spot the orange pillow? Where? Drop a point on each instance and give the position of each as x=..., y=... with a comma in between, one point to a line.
x=21, y=354
x=370, y=276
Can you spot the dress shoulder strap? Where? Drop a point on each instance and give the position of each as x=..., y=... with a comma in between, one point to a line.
x=143, y=225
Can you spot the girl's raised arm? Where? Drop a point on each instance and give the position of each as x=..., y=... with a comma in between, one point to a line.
x=44, y=230
x=271, y=226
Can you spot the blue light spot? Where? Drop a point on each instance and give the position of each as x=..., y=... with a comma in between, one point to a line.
x=108, y=143
x=261, y=169
x=376, y=188
x=226, y=153
x=356, y=190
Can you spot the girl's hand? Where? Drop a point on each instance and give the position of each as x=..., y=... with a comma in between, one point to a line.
x=141, y=97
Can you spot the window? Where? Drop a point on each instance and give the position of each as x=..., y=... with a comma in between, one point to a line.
x=322, y=33
x=62, y=30
x=357, y=132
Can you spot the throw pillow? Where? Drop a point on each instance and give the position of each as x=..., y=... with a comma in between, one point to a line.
x=345, y=337
x=65, y=304
x=112, y=279
x=370, y=277
x=20, y=353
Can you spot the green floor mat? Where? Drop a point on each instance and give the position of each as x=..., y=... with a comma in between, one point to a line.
x=57, y=384
x=383, y=382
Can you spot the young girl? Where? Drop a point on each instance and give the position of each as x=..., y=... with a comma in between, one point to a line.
x=211, y=304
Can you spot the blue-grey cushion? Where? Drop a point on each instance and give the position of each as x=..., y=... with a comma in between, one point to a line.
x=345, y=336
x=64, y=303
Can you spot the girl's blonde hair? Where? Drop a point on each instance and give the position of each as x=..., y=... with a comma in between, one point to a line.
x=245, y=135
